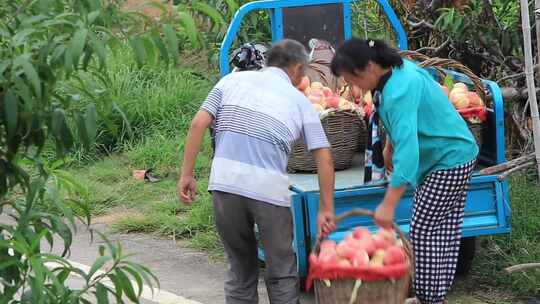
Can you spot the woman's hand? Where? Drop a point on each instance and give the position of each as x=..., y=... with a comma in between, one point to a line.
x=384, y=215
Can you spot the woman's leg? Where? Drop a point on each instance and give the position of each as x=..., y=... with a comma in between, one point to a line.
x=436, y=231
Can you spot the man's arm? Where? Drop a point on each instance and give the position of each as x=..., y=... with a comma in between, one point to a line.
x=325, y=169
x=187, y=187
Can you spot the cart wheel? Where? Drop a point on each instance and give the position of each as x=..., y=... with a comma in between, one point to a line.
x=467, y=250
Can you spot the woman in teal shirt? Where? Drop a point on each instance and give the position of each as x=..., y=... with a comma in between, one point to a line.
x=428, y=147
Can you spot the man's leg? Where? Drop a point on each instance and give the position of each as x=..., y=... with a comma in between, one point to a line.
x=234, y=223
x=276, y=233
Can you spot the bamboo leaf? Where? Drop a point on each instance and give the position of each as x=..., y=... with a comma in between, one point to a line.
x=211, y=12
x=99, y=48
x=81, y=128
x=232, y=7
x=77, y=44
x=164, y=54
x=126, y=285
x=127, y=124
x=101, y=294
x=11, y=113
x=138, y=49
x=90, y=123
x=97, y=265
x=150, y=50
x=93, y=16
x=190, y=28
x=171, y=40
x=33, y=77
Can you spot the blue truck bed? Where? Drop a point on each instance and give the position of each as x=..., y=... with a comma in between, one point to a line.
x=487, y=208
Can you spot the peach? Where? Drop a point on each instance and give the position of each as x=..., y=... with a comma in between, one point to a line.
x=317, y=85
x=304, y=84
x=361, y=233
x=475, y=100
x=394, y=255
x=460, y=100
x=327, y=92
x=333, y=102
x=378, y=258
x=460, y=85
x=360, y=258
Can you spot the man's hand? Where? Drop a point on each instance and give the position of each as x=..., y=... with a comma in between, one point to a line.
x=387, y=155
x=325, y=223
x=187, y=189
x=187, y=186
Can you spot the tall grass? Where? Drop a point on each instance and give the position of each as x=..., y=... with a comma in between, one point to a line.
x=520, y=246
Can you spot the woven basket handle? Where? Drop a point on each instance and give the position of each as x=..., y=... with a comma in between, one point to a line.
x=363, y=212
x=445, y=63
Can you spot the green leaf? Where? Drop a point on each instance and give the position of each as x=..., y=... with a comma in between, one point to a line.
x=90, y=123
x=11, y=113
x=164, y=54
x=150, y=50
x=33, y=77
x=138, y=48
x=118, y=287
x=190, y=28
x=63, y=275
x=81, y=128
x=93, y=16
x=97, y=265
x=148, y=276
x=99, y=48
x=5, y=264
x=449, y=82
x=39, y=278
x=77, y=44
x=211, y=12
x=127, y=124
x=171, y=40
x=126, y=285
x=232, y=7
x=137, y=278
x=101, y=294
x=20, y=38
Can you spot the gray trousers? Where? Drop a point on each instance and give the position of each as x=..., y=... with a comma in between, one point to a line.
x=235, y=217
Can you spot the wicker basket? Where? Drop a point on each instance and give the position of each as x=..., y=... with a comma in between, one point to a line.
x=345, y=131
x=352, y=291
x=440, y=64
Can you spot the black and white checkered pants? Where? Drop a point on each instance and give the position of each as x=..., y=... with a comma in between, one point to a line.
x=439, y=203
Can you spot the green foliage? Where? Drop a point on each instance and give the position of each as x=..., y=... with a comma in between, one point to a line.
x=45, y=44
x=520, y=247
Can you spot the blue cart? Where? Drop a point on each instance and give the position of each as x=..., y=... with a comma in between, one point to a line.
x=487, y=209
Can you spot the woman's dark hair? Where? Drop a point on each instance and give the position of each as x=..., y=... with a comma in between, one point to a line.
x=355, y=54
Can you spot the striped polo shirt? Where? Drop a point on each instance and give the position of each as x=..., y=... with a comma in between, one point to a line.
x=257, y=117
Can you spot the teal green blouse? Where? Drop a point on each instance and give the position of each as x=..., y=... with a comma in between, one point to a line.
x=426, y=131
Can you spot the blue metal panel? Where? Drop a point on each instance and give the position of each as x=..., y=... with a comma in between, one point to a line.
x=277, y=34
x=485, y=212
x=275, y=7
x=498, y=105
x=347, y=24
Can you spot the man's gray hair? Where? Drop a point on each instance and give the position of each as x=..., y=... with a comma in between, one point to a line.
x=287, y=53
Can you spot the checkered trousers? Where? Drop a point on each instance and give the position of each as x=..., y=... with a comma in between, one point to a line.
x=438, y=209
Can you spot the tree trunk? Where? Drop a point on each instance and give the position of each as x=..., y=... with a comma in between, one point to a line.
x=529, y=72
